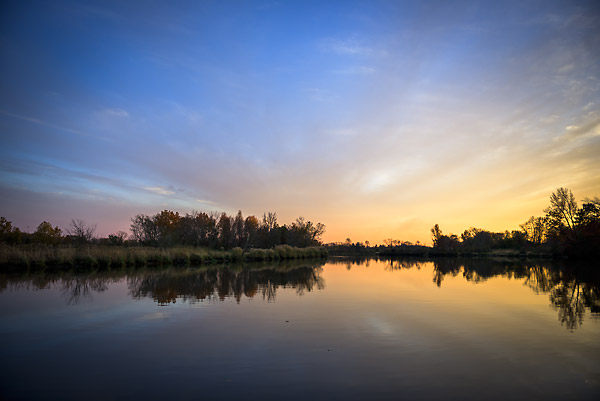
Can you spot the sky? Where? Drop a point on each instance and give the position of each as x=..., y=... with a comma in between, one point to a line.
x=378, y=119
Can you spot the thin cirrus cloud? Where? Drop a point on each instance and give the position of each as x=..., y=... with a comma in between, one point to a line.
x=350, y=47
x=387, y=119
x=160, y=190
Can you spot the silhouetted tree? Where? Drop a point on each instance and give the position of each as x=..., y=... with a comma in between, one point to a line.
x=225, y=231
x=167, y=226
x=251, y=225
x=238, y=230
x=436, y=234
x=117, y=239
x=588, y=214
x=198, y=229
x=562, y=212
x=8, y=233
x=304, y=233
x=46, y=234
x=535, y=229
x=144, y=230
x=81, y=232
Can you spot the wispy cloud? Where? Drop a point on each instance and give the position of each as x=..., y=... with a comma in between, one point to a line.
x=350, y=47
x=160, y=190
x=587, y=129
x=206, y=202
x=50, y=125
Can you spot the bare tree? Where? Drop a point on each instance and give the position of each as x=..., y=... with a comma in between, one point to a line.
x=81, y=231
x=270, y=220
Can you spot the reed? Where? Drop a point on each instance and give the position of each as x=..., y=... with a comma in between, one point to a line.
x=41, y=257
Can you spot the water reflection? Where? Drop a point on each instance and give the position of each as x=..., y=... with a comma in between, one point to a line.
x=572, y=288
x=190, y=285
x=194, y=285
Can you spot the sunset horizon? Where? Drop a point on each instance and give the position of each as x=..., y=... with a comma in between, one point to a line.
x=378, y=119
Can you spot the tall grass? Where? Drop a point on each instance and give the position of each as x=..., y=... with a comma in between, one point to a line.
x=41, y=257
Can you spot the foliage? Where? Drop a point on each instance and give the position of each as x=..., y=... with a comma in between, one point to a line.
x=46, y=234
x=214, y=230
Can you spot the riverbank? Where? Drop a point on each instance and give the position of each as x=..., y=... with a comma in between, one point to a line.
x=23, y=258
x=430, y=252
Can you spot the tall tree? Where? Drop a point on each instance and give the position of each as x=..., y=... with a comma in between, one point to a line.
x=225, y=230
x=167, y=224
x=238, y=229
x=250, y=228
x=436, y=234
x=562, y=211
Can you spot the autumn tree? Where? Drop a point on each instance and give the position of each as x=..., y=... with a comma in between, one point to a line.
x=46, y=234
x=167, y=225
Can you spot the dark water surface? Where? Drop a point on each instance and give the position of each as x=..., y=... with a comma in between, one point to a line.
x=341, y=330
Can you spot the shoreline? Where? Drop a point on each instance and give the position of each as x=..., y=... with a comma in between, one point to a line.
x=37, y=258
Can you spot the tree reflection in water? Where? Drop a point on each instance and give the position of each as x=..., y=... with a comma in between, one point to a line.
x=194, y=285
x=572, y=289
x=190, y=285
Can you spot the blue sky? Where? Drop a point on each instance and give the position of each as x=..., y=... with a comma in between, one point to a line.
x=377, y=118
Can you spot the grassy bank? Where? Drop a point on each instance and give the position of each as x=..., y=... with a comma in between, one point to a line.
x=107, y=257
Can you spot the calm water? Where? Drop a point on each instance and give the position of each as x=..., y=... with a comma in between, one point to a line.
x=339, y=330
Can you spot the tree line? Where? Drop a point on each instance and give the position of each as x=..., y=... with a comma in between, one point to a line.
x=168, y=228
x=565, y=229
x=219, y=230
x=78, y=233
